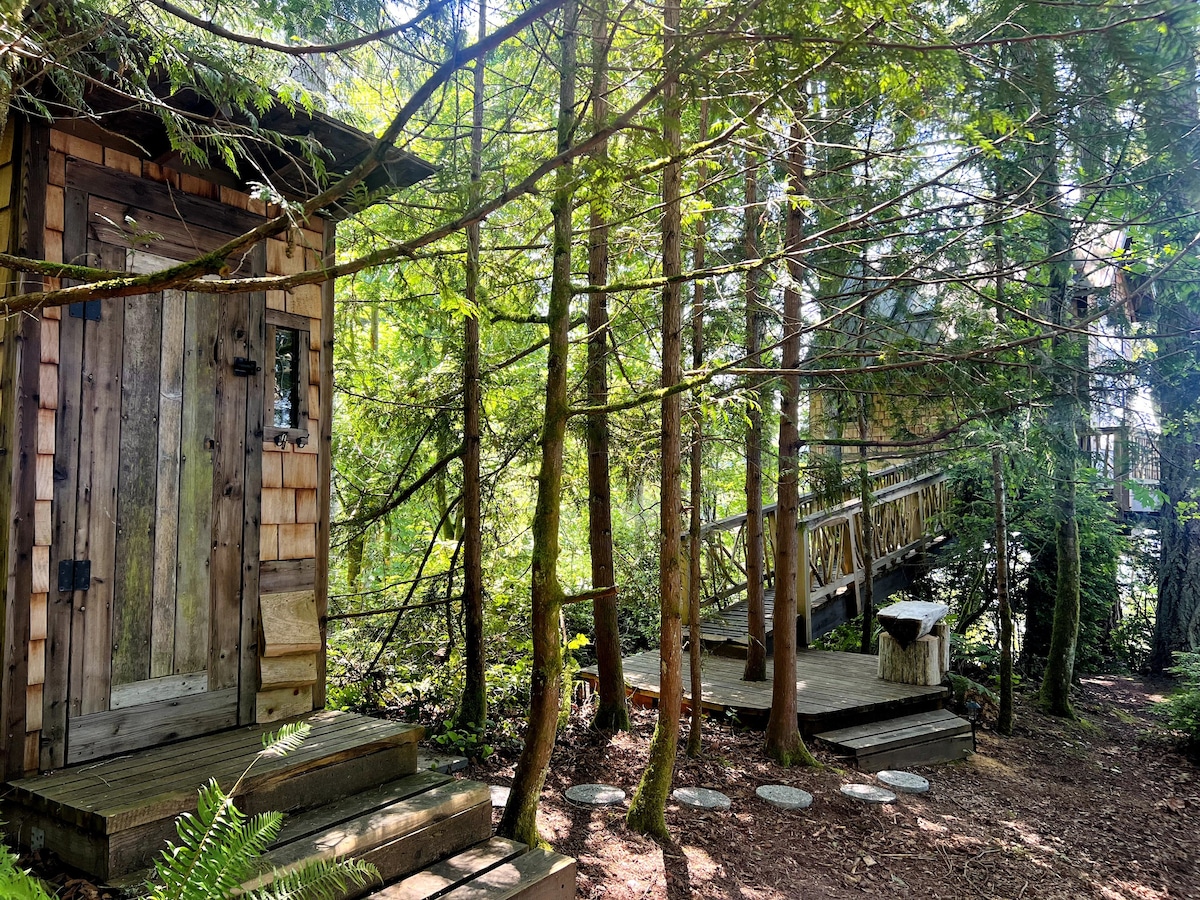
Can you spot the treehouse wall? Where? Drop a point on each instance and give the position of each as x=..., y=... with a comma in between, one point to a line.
x=260, y=649
x=892, y=419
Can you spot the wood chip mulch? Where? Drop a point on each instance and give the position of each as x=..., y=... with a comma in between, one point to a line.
x=1106, y=809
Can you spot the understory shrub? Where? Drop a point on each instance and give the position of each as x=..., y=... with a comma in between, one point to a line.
x=1182, y=709
x=16, y=883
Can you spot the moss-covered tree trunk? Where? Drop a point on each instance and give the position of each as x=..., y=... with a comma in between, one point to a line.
x=1068, y=360
x=519, y=821
x=783, y=742
x=472, y=706
x=1004, y=723
x=1177, y=625
x=696, y=500
x=612, y=710
x=647, y=810
x=756, y=618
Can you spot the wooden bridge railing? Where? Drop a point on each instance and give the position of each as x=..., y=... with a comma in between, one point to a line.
x=1122, y=454
x=907, y=503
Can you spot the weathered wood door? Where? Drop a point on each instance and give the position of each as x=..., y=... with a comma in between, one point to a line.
x=150, y=470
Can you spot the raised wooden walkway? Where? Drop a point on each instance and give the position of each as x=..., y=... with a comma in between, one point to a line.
x=906, y=508
x=832, y=689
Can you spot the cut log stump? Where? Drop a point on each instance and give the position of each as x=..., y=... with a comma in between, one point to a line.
x=911, y=619
x=918, y=663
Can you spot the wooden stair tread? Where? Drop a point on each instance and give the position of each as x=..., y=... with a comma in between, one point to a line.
x=889, y=733
x=536, y=875
x=120, y=793
x=437, y=879
x=398, y=827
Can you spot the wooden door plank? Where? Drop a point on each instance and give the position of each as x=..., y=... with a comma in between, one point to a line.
x=121, y=730
x=61, y=605
x=197, y=447
x=228, y=497
x=166, y=504
x=133, y=573
x=100, y=433
x=166, y=687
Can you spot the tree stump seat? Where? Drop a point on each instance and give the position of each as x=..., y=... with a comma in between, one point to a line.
x=914, y=646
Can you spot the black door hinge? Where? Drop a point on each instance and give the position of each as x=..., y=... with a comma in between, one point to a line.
x=87, y=309
x=74, y=575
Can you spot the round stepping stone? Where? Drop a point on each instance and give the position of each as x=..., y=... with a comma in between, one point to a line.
x=785, y=797
x=596, y=794
x=904, y=782
x=701, y=798
x=868, y=793
x=499, y=796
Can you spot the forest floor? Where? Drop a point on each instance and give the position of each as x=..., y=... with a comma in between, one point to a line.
x=1105, y=808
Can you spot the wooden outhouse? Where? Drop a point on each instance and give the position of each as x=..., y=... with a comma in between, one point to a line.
x=164, y=459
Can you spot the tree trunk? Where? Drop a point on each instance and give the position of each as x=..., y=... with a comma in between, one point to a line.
x=867, y=595
x=1004, y=723
x=472, y=707
x=1177, y=390
x=612, y=711
x=647, y=810
x=756, y=624
x=694, y=744
x=1067, y=362
x=783, y=742
x=519, y=821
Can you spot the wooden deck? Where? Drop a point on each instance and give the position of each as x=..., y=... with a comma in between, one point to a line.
x=833, y=689
x=101, y=817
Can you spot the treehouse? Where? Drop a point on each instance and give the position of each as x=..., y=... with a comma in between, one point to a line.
x=164, y=471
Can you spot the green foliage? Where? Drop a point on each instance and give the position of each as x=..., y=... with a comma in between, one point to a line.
x=1182, y=708
x=467, y=740
x=965, y=689
x=219, y=849
x=16, y=883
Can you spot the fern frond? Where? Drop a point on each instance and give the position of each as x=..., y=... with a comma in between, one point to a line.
x=286, y=739
x=325, y=879
x=218, y=846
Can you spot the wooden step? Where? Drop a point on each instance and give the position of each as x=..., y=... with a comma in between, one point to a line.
x=918, y=739
x=110, y=818
x=398, y=827
x=497, y=869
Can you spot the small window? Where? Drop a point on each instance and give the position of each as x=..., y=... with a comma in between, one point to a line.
x=286, y=409
x=287, y=381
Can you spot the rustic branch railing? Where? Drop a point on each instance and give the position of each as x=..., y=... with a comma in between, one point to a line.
x=907, y=504
x=1121, y=454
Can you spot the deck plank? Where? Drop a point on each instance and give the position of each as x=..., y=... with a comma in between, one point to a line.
x=831, y=686
x=126, y=791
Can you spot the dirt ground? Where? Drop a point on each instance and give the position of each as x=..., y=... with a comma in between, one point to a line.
x=1105, y=809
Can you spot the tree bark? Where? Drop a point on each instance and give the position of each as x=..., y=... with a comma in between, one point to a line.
x=867, y=587
x=1177, y=390
x=519, y=821
x=647, y=810
x=756, y=624
x=1067, y=362
x=695, y=739
x=472, y=707
x=1004, y=723
x=783, y=742
x=612, y=709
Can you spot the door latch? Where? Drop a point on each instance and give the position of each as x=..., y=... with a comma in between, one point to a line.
x=246, y=368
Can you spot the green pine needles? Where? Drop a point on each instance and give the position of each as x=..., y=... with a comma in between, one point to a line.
x=220, y=849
